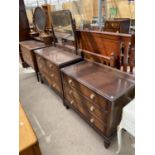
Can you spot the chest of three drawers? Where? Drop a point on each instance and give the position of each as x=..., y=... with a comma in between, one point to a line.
x=49, y=61
x=99, y=111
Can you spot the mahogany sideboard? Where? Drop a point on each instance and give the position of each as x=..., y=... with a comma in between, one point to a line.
x=27, y=48
x=28, y=143
x=50, y=60
x=97, y=93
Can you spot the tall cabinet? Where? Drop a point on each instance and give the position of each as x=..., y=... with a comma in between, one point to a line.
x=23, y=27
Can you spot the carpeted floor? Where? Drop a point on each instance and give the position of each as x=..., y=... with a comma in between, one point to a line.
x=61, y=131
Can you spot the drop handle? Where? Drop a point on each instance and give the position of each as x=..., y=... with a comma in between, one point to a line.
x=92, y=96
x=92, y=120
x=92, y=108
x=72, y=102
x=70, y=81
x=50, y=65
x=52, y=75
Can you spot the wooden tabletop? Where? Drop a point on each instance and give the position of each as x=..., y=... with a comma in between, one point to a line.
x=32, y=44
x=57, y=55
x=27, y=136
x=106, y=81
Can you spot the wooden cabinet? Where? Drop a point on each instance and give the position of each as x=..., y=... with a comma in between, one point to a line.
x=28, y=143
x=98, y=93
x=50, y=60
x=27, y=48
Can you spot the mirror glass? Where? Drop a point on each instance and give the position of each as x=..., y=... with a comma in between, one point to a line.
x=62, y=24
x=40, y=20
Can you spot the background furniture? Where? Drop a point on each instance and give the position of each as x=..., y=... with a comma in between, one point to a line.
x=27, y=48
x=108, y=44
x=120, y=25
x=127, y=122
x=97, y=93
x=23, y=28
x=28, y=143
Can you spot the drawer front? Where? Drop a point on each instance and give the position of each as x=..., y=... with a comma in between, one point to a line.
x=50, y=66
x=93, y=120
x=52, y=76
x=92, y=108
x=27, y=56
x=53, y=83
x=87, y=93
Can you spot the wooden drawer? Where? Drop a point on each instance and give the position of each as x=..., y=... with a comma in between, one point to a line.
x=72, y=94
x=87, y=93
x=50, y=66
x=93, y=120
x=53, y=83
x=41, y=64
x=27, y=56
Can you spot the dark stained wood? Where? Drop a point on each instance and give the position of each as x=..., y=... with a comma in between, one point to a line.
x=27, y=48
x=98, y=93
x=106, y=44
x=120, y=25
x=23, y=28
x=23, y=22
x=50, y=60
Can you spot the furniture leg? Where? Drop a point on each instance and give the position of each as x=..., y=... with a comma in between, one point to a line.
x=106, y=144
x=37, y=74
x=119, y=138
x=66, y=106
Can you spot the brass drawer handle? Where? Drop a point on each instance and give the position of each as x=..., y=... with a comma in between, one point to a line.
x=92, y=120
x=72, y=102
x=92, y=96
x=92, y=108
x=50, y=65
x=52, y=75
x=70, y=81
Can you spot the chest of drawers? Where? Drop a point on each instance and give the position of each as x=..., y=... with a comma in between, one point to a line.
x=50, y=60
x=97, y=93
x=27, y=48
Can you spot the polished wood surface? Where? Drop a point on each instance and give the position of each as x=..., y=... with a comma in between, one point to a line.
x=56, y=55
x=28, y=143
x=27, y=136
x=107, y=44
x=27, y=48
x=32, y=44
x=104, y=80
x=49, y=62
x=97, y=93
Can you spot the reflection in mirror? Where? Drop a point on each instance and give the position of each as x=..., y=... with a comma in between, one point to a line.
x=63, y=25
